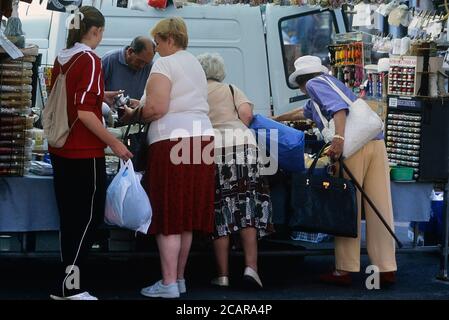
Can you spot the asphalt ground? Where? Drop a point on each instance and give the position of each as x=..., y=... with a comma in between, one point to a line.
x=284, y=278
x=289, y=271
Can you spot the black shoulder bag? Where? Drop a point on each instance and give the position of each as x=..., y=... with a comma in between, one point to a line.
x=329, y=204
x=137, y=143
x=326, y=204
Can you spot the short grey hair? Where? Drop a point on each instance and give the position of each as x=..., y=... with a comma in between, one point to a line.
x=213, y=66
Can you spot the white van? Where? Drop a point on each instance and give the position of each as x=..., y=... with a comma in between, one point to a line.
x=258, y=44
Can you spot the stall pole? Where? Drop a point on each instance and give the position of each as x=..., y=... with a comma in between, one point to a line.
x=444, y=250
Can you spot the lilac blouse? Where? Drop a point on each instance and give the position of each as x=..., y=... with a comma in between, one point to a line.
x=327, y=99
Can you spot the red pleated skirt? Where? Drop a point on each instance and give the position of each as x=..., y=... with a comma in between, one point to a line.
x=181, y=194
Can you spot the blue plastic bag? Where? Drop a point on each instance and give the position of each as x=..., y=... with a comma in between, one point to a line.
x=290, y=142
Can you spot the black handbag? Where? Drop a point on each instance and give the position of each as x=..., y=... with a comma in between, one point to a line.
x=137, y=144
x=324, y=204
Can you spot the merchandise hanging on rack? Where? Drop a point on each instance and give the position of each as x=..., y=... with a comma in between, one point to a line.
x=333, y=4
x=363, y=16
x=6, y=7
x=140, y=5
x=382, y=44
x=122, y=3
x=399, y=16
x=385, y=9
x=13, y=30
x=426, y=24
x=348, y=58
x=62, y=5
x=158, y=4
x=143, y=5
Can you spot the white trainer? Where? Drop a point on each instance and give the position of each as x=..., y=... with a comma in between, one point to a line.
x=181, y=285
x=159, y=290
x=251, y=276
x=80, y=296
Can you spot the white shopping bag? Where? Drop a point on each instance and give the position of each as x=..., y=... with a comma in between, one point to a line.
x=127, y=204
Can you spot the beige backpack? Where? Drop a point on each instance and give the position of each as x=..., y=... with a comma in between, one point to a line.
x=54, y=116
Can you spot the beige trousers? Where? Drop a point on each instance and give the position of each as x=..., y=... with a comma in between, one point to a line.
x=370, y=167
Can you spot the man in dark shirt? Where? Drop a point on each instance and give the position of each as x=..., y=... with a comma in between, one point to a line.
x=128, y=68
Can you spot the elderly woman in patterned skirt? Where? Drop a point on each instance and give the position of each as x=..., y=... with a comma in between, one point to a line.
x=242, y=200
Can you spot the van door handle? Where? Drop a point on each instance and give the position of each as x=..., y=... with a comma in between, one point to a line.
x=297, y=98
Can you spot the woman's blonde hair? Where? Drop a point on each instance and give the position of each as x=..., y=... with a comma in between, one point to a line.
x=173, y=27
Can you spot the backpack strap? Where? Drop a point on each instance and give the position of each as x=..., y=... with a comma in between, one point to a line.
x=68, y=69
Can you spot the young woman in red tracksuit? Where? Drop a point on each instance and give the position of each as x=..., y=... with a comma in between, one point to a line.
x=79, y=166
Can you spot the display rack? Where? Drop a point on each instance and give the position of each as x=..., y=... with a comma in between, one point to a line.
x=15, y=107
x=347, y=61
x=416, y=135
x=407, y=72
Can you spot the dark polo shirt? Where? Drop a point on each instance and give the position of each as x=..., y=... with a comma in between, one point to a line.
x=118, y=76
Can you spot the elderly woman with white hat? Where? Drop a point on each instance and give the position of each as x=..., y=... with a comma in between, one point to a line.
x=369, y=166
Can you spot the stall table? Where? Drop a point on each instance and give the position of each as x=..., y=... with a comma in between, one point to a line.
x=28, y=203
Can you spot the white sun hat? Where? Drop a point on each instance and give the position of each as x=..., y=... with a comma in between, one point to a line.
x=306, y=65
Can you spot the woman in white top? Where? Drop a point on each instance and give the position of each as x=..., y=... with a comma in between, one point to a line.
x=180, y=171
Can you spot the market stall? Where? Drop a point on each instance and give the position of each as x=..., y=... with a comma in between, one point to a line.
x=400, y=73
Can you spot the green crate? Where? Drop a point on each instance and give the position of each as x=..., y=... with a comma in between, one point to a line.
x=401, y=173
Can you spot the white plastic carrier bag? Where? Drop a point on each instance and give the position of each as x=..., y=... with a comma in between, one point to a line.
x=127, y=203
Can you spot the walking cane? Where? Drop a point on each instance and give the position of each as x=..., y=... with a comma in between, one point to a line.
x=357, y=184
